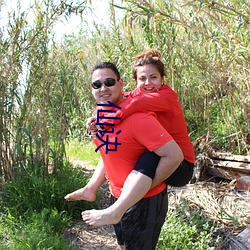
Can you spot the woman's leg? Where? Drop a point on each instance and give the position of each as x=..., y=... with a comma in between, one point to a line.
x=148, y=162
x=134, y=189
x=88, y=192
x=182, y=175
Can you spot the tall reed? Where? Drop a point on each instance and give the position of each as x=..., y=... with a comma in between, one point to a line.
x=36, y=95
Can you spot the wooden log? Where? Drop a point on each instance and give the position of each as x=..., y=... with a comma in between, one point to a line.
x=227, y=174
x=239, y=242
x=245, y=237
x=229, y=170
x=231, y=157
x=233, y=243
x=242, y=167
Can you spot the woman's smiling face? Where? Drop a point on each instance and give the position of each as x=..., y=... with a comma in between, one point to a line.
x=148, y=78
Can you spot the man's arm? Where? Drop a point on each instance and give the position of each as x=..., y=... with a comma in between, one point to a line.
x=88, y=192
x=98, y=178
x=171, y=157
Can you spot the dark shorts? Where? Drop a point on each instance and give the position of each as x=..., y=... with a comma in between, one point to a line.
x=140, y=226
x=148, y=162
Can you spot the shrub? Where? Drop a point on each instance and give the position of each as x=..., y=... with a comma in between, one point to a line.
x=32, y=192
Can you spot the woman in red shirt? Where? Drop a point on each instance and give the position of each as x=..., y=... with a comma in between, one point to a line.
x=153, y=95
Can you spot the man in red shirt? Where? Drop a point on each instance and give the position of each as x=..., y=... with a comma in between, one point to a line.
x=141, y=224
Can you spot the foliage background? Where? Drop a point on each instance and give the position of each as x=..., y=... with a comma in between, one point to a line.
x=45, y=96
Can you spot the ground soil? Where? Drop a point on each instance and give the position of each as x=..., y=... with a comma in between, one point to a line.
x=86, y=237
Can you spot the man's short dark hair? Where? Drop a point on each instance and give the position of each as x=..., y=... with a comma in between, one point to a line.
x=109, y=65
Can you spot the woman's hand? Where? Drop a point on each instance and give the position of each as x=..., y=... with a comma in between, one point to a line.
x=91, y=125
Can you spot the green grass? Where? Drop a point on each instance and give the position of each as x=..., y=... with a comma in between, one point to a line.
x=46, y=192
x=41, y=231
x=33, y=212
x=187, y=232
x=84, y=151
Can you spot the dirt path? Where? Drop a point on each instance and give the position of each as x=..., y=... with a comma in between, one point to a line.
x=87, y=237
x=208, y=196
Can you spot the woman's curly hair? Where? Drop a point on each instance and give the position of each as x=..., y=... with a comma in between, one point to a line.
x=148, y=56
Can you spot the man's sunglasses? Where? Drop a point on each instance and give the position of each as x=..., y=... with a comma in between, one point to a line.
x=108, y=82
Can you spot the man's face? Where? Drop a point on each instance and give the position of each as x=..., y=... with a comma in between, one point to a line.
x=104, y=94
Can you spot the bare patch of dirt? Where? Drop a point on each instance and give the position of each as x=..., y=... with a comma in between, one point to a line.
x=83, y=236
x=208, y=196
x=86, y=237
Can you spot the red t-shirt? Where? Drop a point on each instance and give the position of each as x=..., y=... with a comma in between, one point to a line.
x=139, y=131
x=164, y=102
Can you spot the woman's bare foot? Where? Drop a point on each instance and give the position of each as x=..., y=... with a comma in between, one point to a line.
x=101, y=217
x=84, y=193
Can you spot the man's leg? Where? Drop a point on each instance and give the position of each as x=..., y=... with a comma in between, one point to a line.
x=141, y=224
x=118, y=229
x=134, y=189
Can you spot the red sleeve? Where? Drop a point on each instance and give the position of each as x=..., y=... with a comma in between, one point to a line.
x=126, y=110
x=162, y=100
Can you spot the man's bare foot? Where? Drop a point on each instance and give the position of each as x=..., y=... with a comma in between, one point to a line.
x=101, y=217
x=84, y=193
